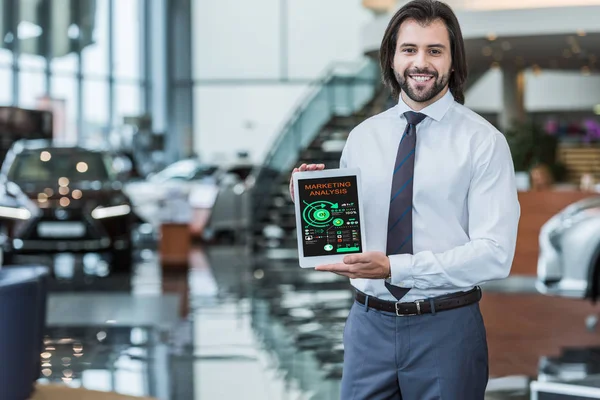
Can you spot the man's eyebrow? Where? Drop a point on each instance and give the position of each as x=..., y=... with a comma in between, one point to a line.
x=435, y=45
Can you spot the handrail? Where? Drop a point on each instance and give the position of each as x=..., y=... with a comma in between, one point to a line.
x=335, y=94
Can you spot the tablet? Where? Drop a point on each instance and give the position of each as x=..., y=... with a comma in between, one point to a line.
x=328, y=215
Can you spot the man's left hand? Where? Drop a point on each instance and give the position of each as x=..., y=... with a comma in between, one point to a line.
x=369, y=265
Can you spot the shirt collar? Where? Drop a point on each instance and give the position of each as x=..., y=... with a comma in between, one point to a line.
x=436, y=110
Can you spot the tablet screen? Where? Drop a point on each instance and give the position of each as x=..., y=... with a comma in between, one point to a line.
x=330, y=219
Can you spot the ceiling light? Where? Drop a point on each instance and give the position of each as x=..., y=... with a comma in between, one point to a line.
x=581, y=32
x=492, y=36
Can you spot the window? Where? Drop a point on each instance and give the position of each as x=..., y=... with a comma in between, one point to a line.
x=95, y=111
x=32, y=87
x=6, y=38
x=31, y=35
x=66, y=64
x=95, y=55
x=64, y=107
x=126, y=23
x=127, y=101
x=6, y=85
x=62, y=64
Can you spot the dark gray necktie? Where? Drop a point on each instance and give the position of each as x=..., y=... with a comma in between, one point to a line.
x=399, y=239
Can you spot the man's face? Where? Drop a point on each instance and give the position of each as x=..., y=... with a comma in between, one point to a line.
x=423, y=60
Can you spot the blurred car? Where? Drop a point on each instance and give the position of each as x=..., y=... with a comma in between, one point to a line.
x=177, y=180
x=569, y=259
x=15, y=209
x=79, y=204
x=230, y=213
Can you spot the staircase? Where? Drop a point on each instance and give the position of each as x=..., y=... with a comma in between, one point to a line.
x=315, y=134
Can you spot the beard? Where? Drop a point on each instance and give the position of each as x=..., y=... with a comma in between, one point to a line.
x=420, y=96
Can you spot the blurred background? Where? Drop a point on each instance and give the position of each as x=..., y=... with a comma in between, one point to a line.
x=147, y=238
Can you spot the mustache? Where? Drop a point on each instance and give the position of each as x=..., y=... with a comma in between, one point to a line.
x=420, y=72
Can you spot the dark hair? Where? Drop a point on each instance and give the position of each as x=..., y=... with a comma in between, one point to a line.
x=425, y=12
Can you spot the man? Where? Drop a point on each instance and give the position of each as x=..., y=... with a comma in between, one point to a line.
x=441, y=214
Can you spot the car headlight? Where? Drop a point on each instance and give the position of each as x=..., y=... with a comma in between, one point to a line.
x=15, y=213
x=110, y=212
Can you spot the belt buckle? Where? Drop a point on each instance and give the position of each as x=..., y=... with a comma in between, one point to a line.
x=418, y=304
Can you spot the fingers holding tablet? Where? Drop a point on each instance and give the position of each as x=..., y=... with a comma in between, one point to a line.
x=302, y=168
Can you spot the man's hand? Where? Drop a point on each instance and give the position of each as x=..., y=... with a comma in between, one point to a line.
x=369, y=265
x=303, y=167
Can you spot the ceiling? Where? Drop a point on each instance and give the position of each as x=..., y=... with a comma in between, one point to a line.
x=556, y=52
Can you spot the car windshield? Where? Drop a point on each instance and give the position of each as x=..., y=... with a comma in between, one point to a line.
x=43, y=166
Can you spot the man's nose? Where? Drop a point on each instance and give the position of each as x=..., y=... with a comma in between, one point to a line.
x=421, y=61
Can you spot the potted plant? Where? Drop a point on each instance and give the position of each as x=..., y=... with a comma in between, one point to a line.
x=531, y=147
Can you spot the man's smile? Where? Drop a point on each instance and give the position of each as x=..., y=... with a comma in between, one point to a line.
x=421, y=78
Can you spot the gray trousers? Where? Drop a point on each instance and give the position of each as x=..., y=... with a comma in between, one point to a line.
x=422, y=357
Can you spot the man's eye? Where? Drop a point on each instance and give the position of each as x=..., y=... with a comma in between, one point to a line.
x=409, y=50
x=436, y=52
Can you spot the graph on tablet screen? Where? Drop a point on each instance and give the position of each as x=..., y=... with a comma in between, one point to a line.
x=330, y=216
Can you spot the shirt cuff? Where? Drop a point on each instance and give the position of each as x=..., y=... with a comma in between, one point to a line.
x=401, y=268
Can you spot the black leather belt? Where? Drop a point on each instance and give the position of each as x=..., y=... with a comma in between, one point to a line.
x=418, y=307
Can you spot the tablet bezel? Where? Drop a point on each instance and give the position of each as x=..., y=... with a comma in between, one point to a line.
x=314, y=261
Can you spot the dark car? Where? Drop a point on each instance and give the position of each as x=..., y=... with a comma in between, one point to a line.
x=80, y=204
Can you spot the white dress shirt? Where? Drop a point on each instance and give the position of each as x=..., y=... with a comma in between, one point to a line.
x=465, y=205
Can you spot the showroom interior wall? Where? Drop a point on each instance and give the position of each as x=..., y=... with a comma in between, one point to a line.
x=245, y=86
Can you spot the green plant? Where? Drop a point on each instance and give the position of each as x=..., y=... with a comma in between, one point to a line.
x=530, y=145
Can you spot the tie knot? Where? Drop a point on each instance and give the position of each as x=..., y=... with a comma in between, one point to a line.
x=414, y=118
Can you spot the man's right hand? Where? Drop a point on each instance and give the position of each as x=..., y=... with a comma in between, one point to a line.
x=303, y=167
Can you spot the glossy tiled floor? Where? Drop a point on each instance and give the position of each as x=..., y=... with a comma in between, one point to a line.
x=234, y=327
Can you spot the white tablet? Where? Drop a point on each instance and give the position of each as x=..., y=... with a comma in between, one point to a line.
x=328, y=215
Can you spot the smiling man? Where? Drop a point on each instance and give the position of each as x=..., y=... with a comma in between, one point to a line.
x=441, y=213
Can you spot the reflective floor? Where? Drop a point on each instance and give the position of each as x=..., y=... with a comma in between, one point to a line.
x=269, y=326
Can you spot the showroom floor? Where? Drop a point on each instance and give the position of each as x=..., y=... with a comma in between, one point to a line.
x=181, y=335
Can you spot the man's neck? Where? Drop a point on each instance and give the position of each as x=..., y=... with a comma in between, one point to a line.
x=417, y=105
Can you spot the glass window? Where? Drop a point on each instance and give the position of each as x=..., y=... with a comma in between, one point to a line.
x=64, y=107
x=5, y=37
x=95, y=111
x=95, y=55
x=126, y=17
x=30, y=31
x=6, y=87
x=65, y=64
x=32, y=87
x=127, y=101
